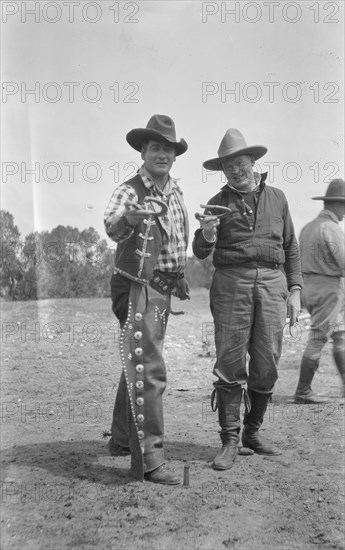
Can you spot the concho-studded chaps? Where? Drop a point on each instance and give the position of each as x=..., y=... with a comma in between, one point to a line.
x=141, y=347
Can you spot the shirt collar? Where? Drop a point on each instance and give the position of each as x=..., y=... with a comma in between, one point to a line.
x=149, y=182
x=146, y=177
x=328, y=214
x=260, y=183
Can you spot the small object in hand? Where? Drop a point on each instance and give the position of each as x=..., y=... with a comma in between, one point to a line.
x=201, y=217
x=293, y=325
x=217, y=207
x=186, y=475
x=140, y=208
x=225, y=210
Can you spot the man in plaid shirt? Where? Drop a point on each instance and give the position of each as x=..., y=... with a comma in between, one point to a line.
x=147, y=218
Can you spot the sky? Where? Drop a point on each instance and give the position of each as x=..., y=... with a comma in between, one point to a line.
x=78, y=76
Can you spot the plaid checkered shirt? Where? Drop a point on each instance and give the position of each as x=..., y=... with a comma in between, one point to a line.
x=173, y=256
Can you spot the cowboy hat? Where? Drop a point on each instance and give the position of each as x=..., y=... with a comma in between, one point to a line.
x=159, y=128
x=232, y=145
x=335, y=191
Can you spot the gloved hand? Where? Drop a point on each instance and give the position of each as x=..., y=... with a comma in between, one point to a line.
x=181, y=290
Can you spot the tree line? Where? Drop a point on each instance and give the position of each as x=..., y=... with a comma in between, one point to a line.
x=65, y=263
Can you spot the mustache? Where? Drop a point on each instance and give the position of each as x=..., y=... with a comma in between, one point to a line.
x=242, y=174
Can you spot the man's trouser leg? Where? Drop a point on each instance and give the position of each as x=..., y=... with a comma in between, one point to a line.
x=232, y=307
x=265, y=347
x=339, y=354
x=228, y=401
x=338, y=336
x=249, y=310
x=324, y=301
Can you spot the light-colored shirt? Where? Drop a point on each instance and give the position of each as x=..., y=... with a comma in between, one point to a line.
x=322, y=243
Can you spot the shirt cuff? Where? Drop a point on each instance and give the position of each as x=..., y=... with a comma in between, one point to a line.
x=295, y=287
x=120, y=230
x=211, y=242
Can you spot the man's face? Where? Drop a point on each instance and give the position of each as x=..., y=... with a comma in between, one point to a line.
x=340, y=210
x=238, y=169
x=158, y=158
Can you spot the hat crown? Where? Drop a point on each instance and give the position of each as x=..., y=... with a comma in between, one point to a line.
x=336, y=188
x=232, y=145
x=164, y=125
x=159, y=128
x=232, y=141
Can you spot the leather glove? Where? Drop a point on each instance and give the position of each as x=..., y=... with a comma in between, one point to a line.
x=181, y=290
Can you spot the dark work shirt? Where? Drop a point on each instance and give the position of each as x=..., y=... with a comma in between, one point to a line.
x=253, y=236
x=251, y=200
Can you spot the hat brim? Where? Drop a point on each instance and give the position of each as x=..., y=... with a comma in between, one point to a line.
x=138, y=136
x=329, y=199
x=256, y=151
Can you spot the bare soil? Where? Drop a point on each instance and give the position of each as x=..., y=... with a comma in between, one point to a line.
x=61, y=489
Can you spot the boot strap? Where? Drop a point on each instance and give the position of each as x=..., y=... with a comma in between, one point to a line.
x=245, y=396
x=214, y=401
x=246, y=400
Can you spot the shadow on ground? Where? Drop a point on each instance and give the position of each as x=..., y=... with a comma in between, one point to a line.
x=90, y=459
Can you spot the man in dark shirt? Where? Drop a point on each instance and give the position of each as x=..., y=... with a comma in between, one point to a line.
x=258, y=273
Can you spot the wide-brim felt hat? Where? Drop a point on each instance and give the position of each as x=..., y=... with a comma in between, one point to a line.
x=335, y=191
x=232, y=145
x=159, y=128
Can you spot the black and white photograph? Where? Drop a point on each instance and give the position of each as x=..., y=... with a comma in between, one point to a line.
x=172, y=275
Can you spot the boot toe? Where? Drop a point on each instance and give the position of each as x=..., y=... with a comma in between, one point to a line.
x=225, y=458
x=258, y=445
x=245, y=451
x=309, y=399
x=162, y=476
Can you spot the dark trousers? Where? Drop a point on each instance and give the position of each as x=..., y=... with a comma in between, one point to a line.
x=249, y=310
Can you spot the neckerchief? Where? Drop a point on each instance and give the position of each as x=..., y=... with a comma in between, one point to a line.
x=167, y=222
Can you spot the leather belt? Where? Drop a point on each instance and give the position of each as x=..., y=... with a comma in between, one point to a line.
x=253, y=265
x=163, y=282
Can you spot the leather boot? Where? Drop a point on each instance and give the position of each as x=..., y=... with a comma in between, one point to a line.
x=304, y=394
x=228, y=403
x=339, y=358
x=162, y=475
x=252, y=422
x=339, y=354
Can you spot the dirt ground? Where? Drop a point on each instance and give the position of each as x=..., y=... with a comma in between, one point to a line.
x=61, y=489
